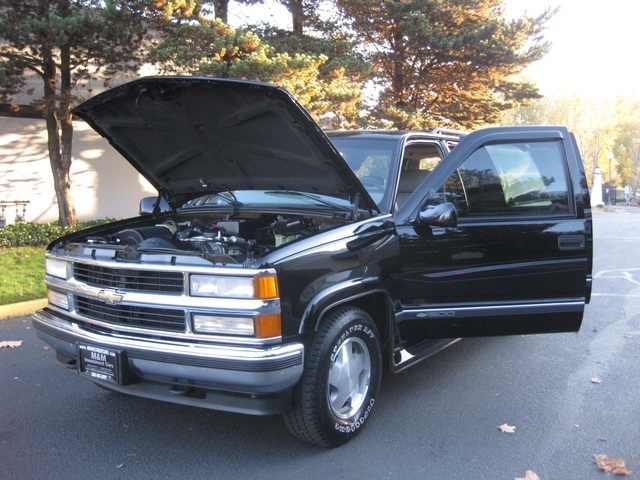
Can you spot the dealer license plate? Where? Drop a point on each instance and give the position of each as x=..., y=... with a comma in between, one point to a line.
x=98, y=363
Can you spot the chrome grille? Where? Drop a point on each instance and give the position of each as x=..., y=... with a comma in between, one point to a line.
x=129, y=279
x=164, y=319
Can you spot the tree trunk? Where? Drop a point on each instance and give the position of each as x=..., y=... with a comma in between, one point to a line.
x=297, y=15
x=222, y=10
x=66, y=131
x=397, y=80
x=60, y=137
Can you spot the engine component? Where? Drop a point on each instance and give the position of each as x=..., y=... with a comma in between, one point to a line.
x=229, y=227
x=163, y=244
x=226, y=240
x=135, y=236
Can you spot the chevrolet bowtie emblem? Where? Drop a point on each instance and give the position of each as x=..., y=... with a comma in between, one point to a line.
x=110, y=296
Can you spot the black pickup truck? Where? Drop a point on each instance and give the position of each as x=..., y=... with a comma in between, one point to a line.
x=280, y=268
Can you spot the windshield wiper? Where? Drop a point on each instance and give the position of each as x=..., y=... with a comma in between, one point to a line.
x=230, y=197
x=313, y=197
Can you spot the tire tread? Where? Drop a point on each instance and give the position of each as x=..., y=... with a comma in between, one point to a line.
x=302, y=420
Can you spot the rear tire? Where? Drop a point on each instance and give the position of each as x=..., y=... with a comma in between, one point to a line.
x=339, y=386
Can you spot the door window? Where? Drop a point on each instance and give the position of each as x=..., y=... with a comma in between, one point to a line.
x=418, y=160
x=510, y=179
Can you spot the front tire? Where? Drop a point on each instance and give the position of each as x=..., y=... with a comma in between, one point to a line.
x=339, y=386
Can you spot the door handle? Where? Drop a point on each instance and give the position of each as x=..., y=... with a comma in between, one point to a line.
x=568, y=243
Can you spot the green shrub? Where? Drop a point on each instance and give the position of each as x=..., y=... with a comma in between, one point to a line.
x=39, y=234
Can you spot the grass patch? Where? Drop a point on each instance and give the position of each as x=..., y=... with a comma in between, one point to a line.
x=22, y=274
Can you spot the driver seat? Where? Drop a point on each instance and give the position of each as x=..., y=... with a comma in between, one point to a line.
x=409, y=181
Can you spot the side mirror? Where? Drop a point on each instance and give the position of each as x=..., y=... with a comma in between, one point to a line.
x=148, y=204
x=436, y=213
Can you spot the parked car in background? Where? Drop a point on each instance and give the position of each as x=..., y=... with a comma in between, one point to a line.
x=288, y=267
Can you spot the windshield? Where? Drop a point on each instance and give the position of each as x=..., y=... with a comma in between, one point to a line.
x=372, y=161
x=269, y=198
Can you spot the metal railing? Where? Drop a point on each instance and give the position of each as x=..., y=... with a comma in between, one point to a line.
x=20, y=217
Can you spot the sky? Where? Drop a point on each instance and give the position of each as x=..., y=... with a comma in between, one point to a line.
x=596, y=45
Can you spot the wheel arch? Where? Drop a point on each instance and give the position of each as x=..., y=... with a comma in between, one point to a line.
x=369, y=295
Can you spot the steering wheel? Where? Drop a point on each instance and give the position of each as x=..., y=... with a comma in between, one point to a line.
x=373, y=182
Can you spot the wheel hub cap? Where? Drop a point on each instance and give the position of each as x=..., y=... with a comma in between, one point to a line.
x=349, y=378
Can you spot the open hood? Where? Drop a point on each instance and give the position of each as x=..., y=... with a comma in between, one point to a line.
x=191, y=136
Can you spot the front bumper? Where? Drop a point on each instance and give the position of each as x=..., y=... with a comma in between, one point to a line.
x=256, y=380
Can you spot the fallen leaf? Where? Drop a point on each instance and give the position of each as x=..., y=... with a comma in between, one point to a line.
x=10, y=344
x=504, y=428
x=621, y=471
x=529, y=475
x=603, y=439
x=616, y=466
x=596, y=380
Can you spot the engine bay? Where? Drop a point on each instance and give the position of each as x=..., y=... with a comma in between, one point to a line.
x=224, y=240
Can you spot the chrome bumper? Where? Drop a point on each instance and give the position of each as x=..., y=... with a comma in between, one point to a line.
x=228, y=375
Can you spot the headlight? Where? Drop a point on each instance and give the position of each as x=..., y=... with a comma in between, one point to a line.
x=261, y=287
x=56, y=268
x=263, y=326
x=223, y=325
x=229, y=287
x=58, y=299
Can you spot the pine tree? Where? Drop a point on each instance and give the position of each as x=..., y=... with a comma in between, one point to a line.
x=446, y=62
x=318, y=72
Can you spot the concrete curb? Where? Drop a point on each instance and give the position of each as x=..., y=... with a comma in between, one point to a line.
x=22, y=308
x=615, y=209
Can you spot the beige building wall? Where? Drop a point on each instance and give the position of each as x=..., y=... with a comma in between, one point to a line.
x=104, y=184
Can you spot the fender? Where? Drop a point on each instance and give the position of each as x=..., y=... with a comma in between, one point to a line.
x=341, y=293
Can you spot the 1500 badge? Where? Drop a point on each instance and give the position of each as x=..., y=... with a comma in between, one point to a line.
x=449, y=313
